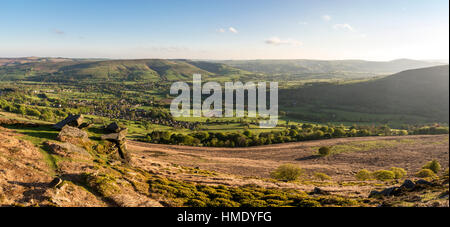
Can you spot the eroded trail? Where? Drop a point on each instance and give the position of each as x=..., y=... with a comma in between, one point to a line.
x=352, y=155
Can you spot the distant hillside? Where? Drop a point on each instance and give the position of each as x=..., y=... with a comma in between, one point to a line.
x=64, y=69
x=338, y=68
x=422, y=93
x=110, y=70
x=22, y=68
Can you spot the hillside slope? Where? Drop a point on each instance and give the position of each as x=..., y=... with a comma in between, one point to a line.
x=420, y=92
x=145, y=70
x=337, y=68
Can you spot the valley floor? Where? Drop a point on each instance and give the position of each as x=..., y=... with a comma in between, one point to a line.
x=372, y=153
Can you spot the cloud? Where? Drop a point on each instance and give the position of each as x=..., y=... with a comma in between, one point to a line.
x=233, y=30
x=345, y=27
x=58, y=32
x=326, y=17
x=277, y=41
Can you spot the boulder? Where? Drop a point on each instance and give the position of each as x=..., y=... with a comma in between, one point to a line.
x=66, y=149
x=424, y=182
x=72, y=135
x=385, y=192
x=71, y=120
x=119, y=139
x=113, y=128
x=374, y=193
x=319, y=191
x=408, y=184
x=115, y=137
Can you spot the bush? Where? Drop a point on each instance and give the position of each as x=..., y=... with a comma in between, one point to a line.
x=426, y=173
x=384, y=175
x=287, y=172
x=433, y=166
x=195, y=203
x=254, y=203
x=364, y=175
x=322, y=176
x=399, y=172
x=324, y=151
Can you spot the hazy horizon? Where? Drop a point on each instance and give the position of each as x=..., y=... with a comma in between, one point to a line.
x=444, y=61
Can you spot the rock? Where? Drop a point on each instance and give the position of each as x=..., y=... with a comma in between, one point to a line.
x=113, y=127
x=66, y=149
x=408, y=184
x=374, y=193
x=114, y=137
x=388, y=191
x=72, y=135
x=71, y=120
x=424, y=182
x=119, y=139
x=385, y=192
x=319, y=191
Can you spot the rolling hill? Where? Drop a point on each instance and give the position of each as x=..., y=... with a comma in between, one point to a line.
x=61, y=70
x=328, y=69
x=419, y=93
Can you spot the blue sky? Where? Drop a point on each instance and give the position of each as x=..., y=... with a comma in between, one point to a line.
x=226, y=29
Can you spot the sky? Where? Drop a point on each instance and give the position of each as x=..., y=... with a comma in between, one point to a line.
x=226, y=29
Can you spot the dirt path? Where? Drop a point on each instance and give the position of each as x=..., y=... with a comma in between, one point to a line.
x=409, y=152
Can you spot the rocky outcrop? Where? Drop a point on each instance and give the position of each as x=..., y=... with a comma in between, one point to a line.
x=66, y=150
x=119, y=139
x=113, y=128
x=319, y=191
x=116, y=137
x=72, y=135
x=71, y=120
x=407, y=185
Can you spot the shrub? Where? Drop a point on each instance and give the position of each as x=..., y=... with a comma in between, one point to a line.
x=195, y=203
x=322, y=176
x=426, y=173
x=222, y=202
x=399, y=172
x=279, y=197
x=287, y=172
x=433, y=166
x=254, y=203
x=384, y=175
x=307, y=202
x=363, y=175
x=324, y=151
x=103, y=184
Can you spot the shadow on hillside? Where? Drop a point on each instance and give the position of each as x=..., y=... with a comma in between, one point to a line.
x=34, y=190
x=311, y=157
